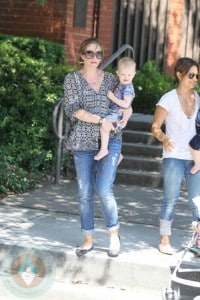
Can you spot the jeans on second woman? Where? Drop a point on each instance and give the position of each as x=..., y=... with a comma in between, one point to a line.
x=97, y=176
x=174, y=171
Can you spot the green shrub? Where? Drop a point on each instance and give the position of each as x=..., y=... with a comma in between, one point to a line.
x=150, y=84
x=37, y=48
x=31, y=74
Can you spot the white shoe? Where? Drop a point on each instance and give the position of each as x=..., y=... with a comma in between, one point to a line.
x=166, y=249
x=114, y=248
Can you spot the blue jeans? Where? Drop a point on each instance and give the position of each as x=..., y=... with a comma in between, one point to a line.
x=174, y=171
x=97, y=176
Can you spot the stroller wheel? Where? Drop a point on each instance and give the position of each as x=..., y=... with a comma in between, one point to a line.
x=170, y=294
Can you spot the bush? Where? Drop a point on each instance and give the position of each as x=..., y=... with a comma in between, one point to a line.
x=43, y=50
x=150, y=84
x=31, y=74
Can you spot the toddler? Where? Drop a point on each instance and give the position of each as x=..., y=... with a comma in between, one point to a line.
x=122, y=98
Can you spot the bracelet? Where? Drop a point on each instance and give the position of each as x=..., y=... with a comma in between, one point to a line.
x=101, y=121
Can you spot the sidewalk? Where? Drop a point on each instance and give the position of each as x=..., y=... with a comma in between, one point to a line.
x=47, y=219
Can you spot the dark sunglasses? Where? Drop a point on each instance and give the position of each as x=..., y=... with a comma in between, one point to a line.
x=91, y=54
x=192, y=75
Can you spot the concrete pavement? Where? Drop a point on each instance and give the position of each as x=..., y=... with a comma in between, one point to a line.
x=47, y=220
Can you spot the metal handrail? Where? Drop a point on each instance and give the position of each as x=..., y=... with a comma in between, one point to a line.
x=58, y=118
x=58, y=112
x=116, y=54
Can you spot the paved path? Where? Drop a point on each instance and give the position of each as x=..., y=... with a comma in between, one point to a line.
x=47, y=219
x=137, y=205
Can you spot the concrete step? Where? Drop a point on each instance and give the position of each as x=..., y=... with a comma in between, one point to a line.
x=139, y=178
x=138, y=126
x=139, y=137
x=141, y=163
x=139, y=264
x=130, y=177
x=142, y=150
x=140, y=122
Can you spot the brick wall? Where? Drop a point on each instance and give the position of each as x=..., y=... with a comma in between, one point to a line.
x=176, y=8
x=22, y=17
x=75, y=35
x=55, y=21
x=106, y=25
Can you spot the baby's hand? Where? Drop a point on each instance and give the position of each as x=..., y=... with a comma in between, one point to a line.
x=110, y=95
x=196, y=225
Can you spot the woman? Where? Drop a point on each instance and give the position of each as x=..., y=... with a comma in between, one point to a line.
x=177, y=109
x=86, y=105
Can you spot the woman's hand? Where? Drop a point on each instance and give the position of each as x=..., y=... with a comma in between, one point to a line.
x=168, y=144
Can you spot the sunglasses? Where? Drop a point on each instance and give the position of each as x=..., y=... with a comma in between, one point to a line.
x=192, y=75
x=91, y=54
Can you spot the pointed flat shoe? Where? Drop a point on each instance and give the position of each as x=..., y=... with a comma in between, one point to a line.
x=81, y=251
x=166, y=249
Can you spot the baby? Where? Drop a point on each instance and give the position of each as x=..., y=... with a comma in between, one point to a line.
x=122, y=98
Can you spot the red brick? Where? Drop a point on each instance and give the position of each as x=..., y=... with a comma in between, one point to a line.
x=54, y=21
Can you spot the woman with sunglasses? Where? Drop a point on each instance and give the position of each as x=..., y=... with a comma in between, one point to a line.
x=86, y=105
x=177, y=109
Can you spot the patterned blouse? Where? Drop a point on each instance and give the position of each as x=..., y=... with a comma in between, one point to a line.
x=78, y=94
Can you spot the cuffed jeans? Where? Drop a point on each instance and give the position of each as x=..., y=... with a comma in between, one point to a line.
x=174, y=171
x=97, y=176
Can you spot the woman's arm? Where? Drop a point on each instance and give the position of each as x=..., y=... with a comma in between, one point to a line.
x=86, y=116
x=159, y=118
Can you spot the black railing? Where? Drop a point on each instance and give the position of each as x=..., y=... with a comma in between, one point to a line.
x=117, y=53
x=59, y=115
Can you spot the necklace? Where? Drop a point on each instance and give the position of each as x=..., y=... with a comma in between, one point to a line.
x=187, y=104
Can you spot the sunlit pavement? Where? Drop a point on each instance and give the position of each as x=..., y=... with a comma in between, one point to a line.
x=45, y=224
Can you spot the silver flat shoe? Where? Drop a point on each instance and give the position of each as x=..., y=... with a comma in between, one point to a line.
x=166, y=249
x=81, y=251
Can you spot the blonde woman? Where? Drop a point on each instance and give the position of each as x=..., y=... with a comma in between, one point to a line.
x=86, y=104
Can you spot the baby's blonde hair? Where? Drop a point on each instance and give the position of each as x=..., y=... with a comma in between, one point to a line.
x=126, y=62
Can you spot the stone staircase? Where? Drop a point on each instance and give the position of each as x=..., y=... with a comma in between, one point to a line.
x=141, y=165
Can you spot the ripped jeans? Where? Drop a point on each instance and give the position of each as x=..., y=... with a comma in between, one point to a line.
x=174, y=171
x=97, y=176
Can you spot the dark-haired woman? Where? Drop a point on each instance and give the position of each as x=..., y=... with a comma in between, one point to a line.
x=178, y=109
